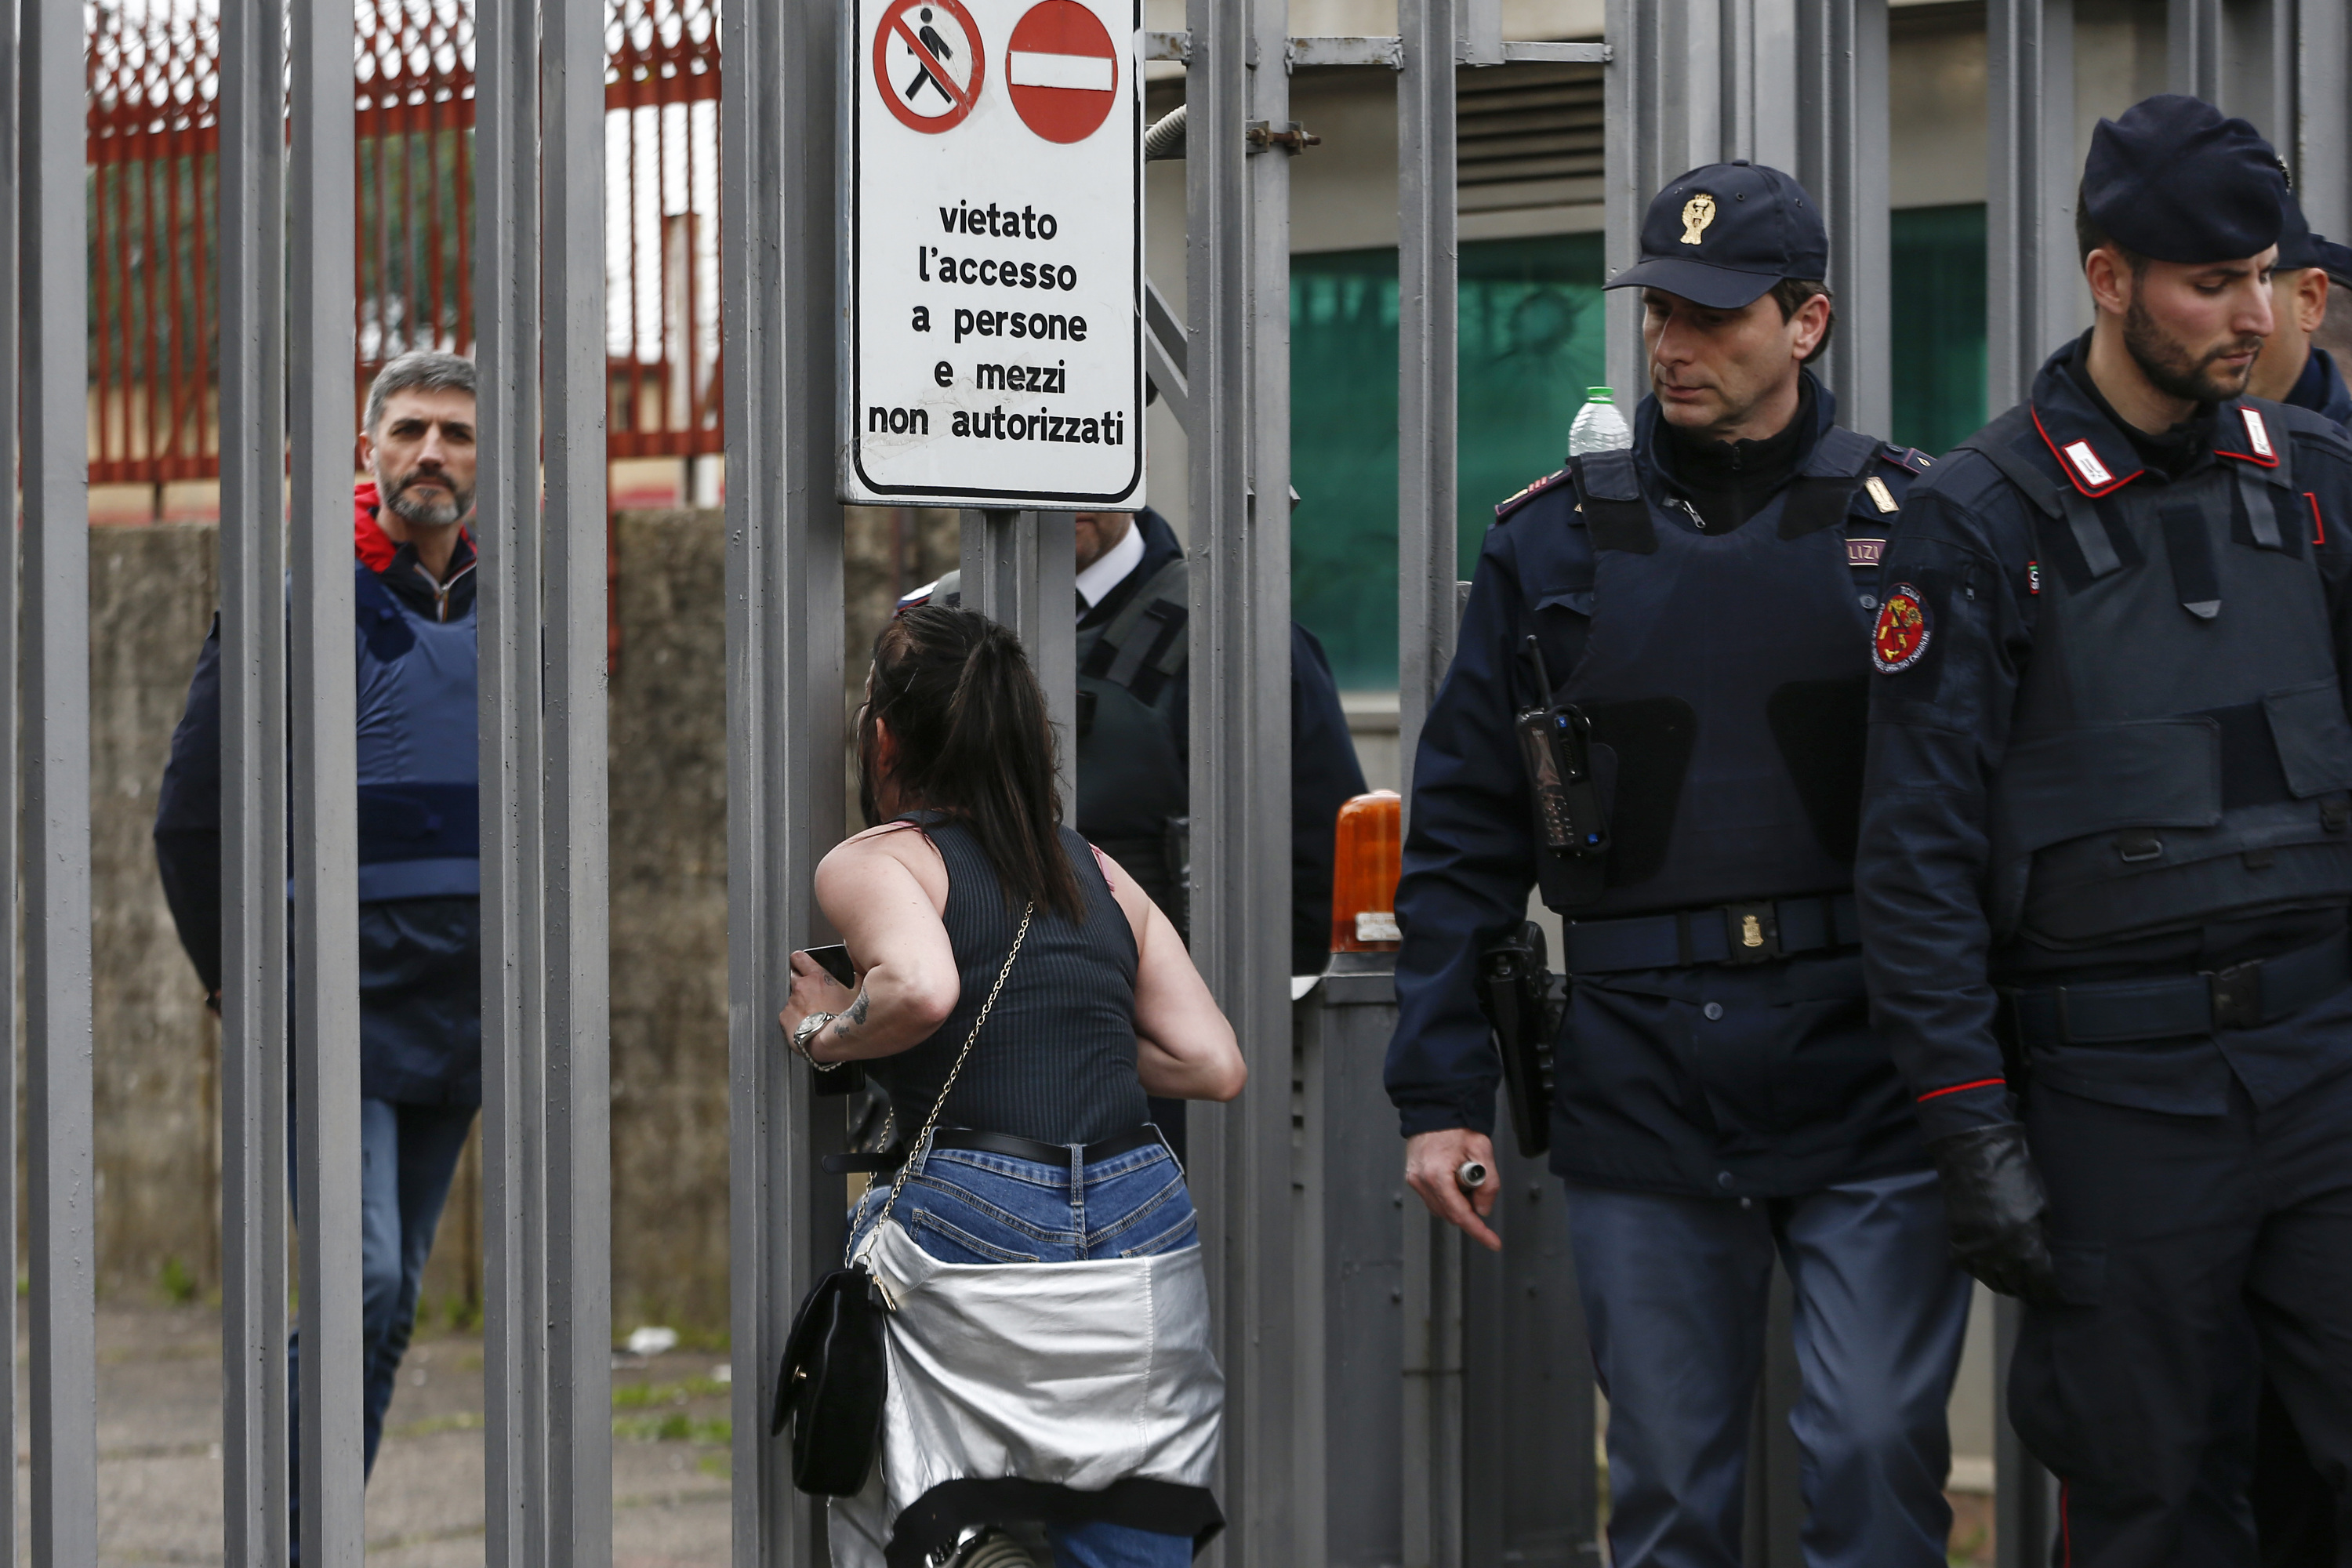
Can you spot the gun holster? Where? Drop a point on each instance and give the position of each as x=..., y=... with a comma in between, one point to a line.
x=1515, y=992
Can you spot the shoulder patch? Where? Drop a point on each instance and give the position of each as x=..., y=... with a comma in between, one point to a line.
x=1549, y=482
x=1900, y=638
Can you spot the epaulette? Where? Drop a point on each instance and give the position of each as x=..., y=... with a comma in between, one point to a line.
x=1910, y=459
x=1547, y=483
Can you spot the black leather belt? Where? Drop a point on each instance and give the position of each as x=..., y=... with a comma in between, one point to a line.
x=1722, y=933
x=1006, y=1143
x=2242, y=997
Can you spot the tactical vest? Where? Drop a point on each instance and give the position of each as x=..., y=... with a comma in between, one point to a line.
x=1134, y=785
x=1724, y=676
x=2180, y=752
x=419, y=751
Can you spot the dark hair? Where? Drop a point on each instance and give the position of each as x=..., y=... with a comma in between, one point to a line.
x=2089, y=237
x=1791, y=294
x=972, y=741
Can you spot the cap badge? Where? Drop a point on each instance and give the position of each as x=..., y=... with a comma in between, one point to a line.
x=1900, y=638
x=1697, y=213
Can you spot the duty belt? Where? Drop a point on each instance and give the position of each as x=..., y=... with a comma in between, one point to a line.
x=2242, y=997
x=1720, y=933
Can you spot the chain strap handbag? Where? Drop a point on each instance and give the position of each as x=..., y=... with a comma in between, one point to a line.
x=837, y=1367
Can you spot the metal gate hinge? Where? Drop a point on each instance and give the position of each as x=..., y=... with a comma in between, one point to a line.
x=1293, y=138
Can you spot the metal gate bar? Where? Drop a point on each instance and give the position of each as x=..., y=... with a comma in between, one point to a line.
x=576, y=1152
x=779, y=138
x=325, y=799
x=514, y=1055
x=54, y=683
x=253, y=776
x=13, y=189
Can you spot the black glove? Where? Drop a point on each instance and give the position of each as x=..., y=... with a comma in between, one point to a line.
x=1995, y=1206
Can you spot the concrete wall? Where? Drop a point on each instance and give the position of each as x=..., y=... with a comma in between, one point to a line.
x=153, y=590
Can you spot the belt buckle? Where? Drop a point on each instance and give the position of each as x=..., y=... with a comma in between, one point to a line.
x=2237, y=993
x=1751, y=932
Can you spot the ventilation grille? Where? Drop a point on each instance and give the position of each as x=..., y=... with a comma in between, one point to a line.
x=1527, y=136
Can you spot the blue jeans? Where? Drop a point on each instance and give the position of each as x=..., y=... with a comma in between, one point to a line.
x=1675, y=1292
x=966, y=1206
x=408, y=1153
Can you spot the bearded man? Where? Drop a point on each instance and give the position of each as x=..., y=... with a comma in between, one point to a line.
x=419, y=851
x=2106, y=854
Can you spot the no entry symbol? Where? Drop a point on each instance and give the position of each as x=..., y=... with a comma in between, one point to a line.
x=1061, y=71
x=928, y=63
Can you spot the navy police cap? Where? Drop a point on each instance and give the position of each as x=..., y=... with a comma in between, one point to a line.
x=1721, y=236
x=2299, y=247
x=2176, y=180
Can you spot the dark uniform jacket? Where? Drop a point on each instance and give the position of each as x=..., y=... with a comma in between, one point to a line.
x=419, y=876
x=1710, y=1079
x=2321, y=388
x=1949, y=920
x=1135, y=741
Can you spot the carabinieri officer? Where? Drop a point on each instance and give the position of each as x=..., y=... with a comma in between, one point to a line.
x=1694, y=613
x=2109, y=826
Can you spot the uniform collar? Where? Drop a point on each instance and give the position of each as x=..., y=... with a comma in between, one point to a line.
x=2321, y=388
x=1159, y=547
x=1111, y=569
x=1816, y=411
x=2085, y=437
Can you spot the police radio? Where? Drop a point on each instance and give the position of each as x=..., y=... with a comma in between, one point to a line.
x=1556, y=745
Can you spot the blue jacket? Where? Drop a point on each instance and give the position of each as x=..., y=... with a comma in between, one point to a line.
x=1760, y=1080
x=1942, y=728
x=419, y=820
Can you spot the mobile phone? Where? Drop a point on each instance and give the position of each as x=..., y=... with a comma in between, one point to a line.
x=836, y=959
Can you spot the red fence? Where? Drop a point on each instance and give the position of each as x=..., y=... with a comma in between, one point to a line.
x=153, y=155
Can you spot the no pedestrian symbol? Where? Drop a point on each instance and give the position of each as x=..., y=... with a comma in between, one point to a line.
x=1061, y=71
x=928, y=63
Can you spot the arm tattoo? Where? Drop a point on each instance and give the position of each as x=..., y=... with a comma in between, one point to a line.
x=852, y=1018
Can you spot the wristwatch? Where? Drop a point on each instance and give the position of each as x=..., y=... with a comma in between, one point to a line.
x=808, y=1032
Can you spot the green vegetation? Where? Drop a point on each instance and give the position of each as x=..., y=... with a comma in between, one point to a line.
x=179, y=1285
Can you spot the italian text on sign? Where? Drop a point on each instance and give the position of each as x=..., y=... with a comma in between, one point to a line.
x=993, y=202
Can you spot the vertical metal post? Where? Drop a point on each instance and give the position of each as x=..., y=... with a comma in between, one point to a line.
x=13, y=190
x=514, y=1062
x=1428, y=257
x=1841, y=159
x=324, y=803
x=2320, y=45
x=2034, y=283
x=55, y=869
x=2194, y=54
x=1018, y=569
x=578, y=1150
x=1238, y=234
x=2025, y=1496
x=780, y=138
x=253, y=775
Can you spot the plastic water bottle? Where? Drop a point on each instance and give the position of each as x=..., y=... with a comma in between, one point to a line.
x=1599, y=426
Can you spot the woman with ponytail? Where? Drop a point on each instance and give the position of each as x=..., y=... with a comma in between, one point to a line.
x=1016, y=997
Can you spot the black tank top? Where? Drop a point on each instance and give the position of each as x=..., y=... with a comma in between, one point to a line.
x=1056, y=1062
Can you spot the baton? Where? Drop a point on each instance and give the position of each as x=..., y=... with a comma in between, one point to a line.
x=1471, y=1175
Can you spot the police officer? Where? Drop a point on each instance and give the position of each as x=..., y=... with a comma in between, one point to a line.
x=2294, y=1508
x=1134, y=744
x=2108, y=823
x=1696, y=613
x=2291, y=368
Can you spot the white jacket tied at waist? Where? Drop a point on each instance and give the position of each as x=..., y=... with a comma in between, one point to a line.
x=1079, y=1375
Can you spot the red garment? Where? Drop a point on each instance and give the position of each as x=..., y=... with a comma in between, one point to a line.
x=369, y=540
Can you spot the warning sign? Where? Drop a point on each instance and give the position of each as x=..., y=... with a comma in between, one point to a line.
x=927, y=63
x=1061, y=71
x=994, y=205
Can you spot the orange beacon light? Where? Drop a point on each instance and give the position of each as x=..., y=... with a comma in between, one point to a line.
x=1364, y=872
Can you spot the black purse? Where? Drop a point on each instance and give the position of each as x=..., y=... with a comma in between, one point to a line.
x=837, y=1368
